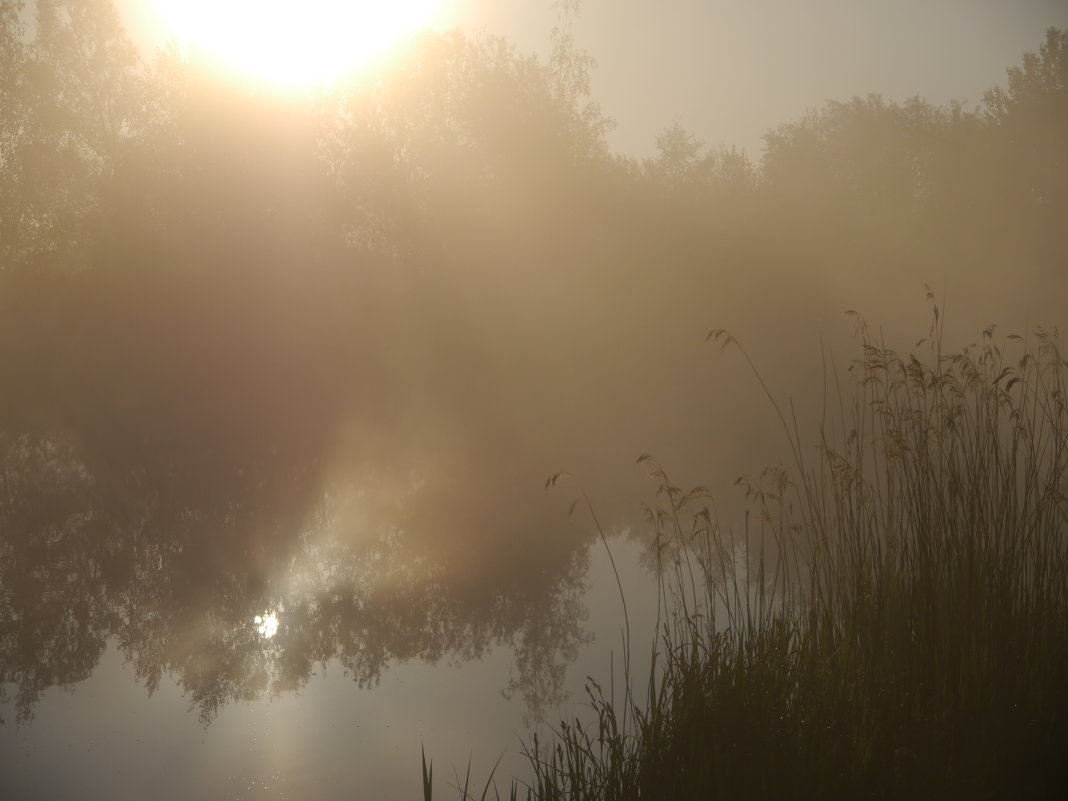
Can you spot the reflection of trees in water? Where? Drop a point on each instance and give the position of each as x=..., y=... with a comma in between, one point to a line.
x=367, y=577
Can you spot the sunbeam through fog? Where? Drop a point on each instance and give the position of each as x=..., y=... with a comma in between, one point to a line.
x=378, y=378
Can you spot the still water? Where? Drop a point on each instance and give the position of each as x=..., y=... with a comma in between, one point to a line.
x=273, y=631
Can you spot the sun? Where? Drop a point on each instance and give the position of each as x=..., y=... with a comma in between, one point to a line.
x=293, y=44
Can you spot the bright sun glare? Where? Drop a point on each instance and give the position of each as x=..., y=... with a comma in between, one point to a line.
x=294, y=44
x=266, y=625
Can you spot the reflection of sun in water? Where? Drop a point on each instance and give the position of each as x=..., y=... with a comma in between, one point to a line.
x=290, y=43
x=266, y=625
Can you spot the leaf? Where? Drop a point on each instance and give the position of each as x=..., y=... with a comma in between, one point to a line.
x=428, y=776
x=643, y=458
x=551, y=480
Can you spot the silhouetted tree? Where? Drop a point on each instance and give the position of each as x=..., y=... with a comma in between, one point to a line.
x=678, y=153
x=1030, y=121
x=74, y=94
x=12, y=124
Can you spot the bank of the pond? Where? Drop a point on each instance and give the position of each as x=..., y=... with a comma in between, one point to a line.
x=890, y=622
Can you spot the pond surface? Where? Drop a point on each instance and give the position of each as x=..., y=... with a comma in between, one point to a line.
x=278, y=631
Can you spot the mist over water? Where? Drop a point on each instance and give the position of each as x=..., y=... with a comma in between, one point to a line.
x=283, y=376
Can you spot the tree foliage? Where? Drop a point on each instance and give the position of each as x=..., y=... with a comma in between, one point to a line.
x=75, y=94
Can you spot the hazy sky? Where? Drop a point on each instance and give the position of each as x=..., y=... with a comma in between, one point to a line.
x=728, y=70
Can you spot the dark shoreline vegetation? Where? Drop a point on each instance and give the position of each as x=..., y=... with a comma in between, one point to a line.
x=322, y=349
x=890, y=623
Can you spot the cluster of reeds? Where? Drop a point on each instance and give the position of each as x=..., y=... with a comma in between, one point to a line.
x=891, y=621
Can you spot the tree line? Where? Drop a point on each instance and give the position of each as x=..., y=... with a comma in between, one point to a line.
x=457, y=183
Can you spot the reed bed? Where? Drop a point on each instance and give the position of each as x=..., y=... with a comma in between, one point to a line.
x=890, y=622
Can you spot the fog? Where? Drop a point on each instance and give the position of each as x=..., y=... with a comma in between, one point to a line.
x=227, y=311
